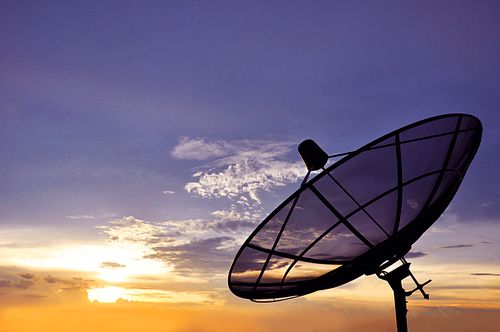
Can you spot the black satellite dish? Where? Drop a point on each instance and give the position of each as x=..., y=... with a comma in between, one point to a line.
x=360, y=215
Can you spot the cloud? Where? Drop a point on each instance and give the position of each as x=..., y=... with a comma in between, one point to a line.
x=199, y=256
x=23, y=284
x=458, y=246
x=415, y=254
x=98, y=216
x=27, y=275
x=240, y=167
x=6, y=283
x=486, y=274
x=75, y=283
x=190, y=247
x=200, y=150
x=52, y=280
x=81, y=217
x=247, y=177
x=125, y=302
x=111, y=265
x=74, y=295
x=34, y=296
x=130, y=232
x=224, y=222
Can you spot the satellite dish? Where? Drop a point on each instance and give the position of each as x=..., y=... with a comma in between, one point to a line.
x=360, y=215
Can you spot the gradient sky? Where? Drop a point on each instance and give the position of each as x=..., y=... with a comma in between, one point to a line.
x=142, y=142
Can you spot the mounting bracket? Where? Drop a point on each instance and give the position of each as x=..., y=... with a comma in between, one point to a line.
x=394, y=278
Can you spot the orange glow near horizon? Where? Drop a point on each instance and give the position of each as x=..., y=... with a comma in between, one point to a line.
x=285, y=318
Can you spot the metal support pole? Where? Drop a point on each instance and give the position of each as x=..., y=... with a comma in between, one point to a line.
x=394, y=279
x=400, y=306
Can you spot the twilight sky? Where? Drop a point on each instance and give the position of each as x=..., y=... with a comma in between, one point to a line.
x=142, y=142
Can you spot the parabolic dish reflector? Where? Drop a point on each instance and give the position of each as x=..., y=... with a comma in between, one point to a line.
x=360, y=214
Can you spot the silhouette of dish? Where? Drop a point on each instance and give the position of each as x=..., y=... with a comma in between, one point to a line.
x=361, y=214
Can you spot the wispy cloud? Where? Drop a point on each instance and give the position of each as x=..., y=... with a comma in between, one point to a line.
x=224, y=222
x=5, y=283
x=22, y=284
x=200, y=150
x=457, y=246
x=130, y=232
x=207, y=256
x=111, y=265
x=75, y=283
x=91, y=216
x=239, y=168
x=33, y=296
x=415, y=254
x=190, y=247
x=81, y=217
x=486, y=274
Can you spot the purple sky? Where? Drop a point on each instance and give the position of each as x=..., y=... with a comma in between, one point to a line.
x=190, y=112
